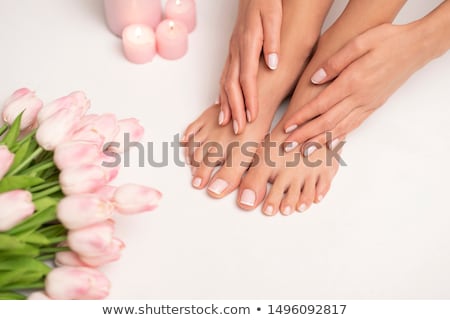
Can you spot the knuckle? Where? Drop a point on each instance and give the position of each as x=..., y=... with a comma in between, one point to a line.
x=358, y=44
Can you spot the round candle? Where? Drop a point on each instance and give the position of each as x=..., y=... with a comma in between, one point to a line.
x=172, y=39
x=183, y=11
x=121, y=13
x=139, y=43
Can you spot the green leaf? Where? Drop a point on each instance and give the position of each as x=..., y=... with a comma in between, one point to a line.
x=36, y=238
x=8, y=242
x=10, y=295
x=35, y=221
x=3, y=129
x=18, y=182
x=53, y=231
x=28, y=251
x=24, y=264
x=45, y=203
x=13, y=133
x=20, y=155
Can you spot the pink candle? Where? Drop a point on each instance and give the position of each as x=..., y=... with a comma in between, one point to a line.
x=172, y=39
x=183, y=11
x=139, y=43
x=121, y=13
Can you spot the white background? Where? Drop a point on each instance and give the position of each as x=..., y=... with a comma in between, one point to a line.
x=382, y=232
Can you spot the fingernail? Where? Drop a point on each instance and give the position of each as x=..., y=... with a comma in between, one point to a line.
x=302, y=208
x=249, y=116
x=273, y=61
x=333, y=144
x=309, y=151
x=248, y=198
x=218, y=186
x=235, y=127
x=221, y=117
x=320, y=198
x=197, y=182
x=291, y=128
x=319, y=76
x=290, y=146
x=269, y=210
x=287, y=211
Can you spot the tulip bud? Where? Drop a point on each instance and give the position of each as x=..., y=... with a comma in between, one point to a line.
x=91, y=241
x=76, y=101
x=38, y=295
x=82, y=210
x=15, y=206
x=68, y=259
x=6, y=160
x=97, y=129
x=83, y=179
x=111, y=254
x=106, y=192
x=76, y=153
x=130, y=127
x=76, y=283
x=23, y=100
x=131, y=199
x=57, y=129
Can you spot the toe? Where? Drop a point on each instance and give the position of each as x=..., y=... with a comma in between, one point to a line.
x=253, y=188
x=288, y=204
x=322, y=187
x=272, y=204
x=307, y=195
x=202, y=174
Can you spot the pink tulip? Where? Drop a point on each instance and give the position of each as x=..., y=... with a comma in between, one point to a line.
x=82, y=210
x=57, y=129
x=97, y=129
x=75, y=153
x=131, y=199
x=106, y=192
x=76, y=283
x=6, y=160
x=23, y=100
x=15, y=206
x=91, y=241
x=76, y=101
x=38, y=295
x=127, y=126
x=68, y=259
x=83, y=179
x=111, y=254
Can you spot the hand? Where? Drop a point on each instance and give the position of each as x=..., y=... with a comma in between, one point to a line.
x=257, y=28
x=369, y=69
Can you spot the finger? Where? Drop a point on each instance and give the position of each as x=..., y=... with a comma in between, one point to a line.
x=234, y=94
x=225, y=112
x=351, y=52
x=325, y=123
x=272, y=21
x=331, y=96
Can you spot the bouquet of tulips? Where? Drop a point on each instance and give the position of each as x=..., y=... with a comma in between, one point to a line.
x=56, y=204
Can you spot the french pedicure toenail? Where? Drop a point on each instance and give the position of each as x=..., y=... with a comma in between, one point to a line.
x=221, y=117
x=310, y=150
x=302, y=208
x=291, y=128
x=218, y=186
x=287, y=211
x=290, y=146
x=248, y=198
x=320, y=198
x=235, y=127
x=197, y=182
x=269, y=210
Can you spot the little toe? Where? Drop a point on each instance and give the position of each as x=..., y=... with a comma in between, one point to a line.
x=272, y=204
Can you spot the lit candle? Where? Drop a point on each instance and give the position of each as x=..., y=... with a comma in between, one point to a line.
x=183, y=11
x=172, y=39
x=121, y=13
x=139, y=43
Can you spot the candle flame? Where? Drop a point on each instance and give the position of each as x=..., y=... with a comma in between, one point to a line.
x=171, y=25
x=138, y=32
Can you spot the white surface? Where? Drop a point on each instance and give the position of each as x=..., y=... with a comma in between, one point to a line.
x=382, y=232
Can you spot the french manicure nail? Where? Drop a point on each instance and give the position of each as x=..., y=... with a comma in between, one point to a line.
x=197, y=182
x=319, y=76
x=235, y=127
x=287, y=211
x=302, y=208
x=309, y=151
x=218, y=186
x=290, y=146
x=248, y=198
x=333, y=144
x=249, y=116
x=221, y=117
x=291, y=128
x=269, y=210
x=273, y=61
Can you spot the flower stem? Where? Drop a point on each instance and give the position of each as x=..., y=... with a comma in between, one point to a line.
x=39, y=167
x=26, y=162
x=44, y=186
x=36, y=285
x=45, y=193
x=3, y=129
x=57, y=239
x=54, y=250
x=46, y=257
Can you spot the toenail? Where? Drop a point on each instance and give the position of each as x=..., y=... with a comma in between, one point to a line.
x=218, y=186
x=235, y=127
x=302, y=208
x=197, y=182
x=287, y=211
x=310, y=151
x=248, y=198
x=221, y=118
x=320, y=198
x=269, y=210
x=291, y=128
x=290, y=146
